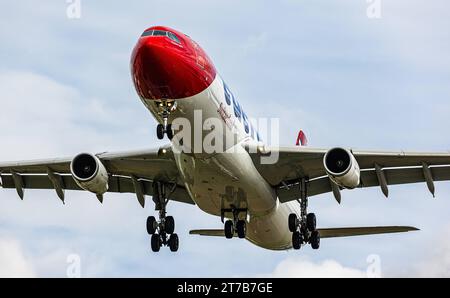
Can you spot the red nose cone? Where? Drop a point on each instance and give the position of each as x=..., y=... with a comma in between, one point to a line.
x=170, y=68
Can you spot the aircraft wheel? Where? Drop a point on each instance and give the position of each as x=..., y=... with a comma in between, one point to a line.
x=229, y=229
x=152, y=224
x=169, y=131
x=241, y=228
x=169, y=225
x=156, y=243
x=174, y=243
x=315, y=240
x=293, y=222
x=160, y=131
x=297, y=240
x=311, y=222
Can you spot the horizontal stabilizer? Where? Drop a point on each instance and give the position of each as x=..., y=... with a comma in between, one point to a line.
x=350, y=232
x=327, y=233
x=211, y=233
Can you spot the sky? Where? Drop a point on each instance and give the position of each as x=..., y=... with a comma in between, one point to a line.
x=321, y=66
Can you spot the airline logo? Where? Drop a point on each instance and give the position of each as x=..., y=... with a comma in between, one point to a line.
x=239, y=114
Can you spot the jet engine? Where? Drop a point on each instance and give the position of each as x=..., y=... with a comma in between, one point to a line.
x=89, y=173
x=342, y=168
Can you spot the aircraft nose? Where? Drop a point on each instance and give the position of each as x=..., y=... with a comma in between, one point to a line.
x=163, y=70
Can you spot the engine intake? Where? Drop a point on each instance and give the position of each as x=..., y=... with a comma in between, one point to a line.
x=342, y=168
x=89, y=173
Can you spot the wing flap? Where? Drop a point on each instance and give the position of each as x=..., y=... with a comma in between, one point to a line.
x=351, y=232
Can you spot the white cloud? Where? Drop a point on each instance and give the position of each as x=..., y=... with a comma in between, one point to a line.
x=13, y=262
x=304, y=268
x=437, y=262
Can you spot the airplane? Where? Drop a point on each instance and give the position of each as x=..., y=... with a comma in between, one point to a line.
x=263, y=202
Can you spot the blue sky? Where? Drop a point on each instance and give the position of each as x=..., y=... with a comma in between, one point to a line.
x=322, y=66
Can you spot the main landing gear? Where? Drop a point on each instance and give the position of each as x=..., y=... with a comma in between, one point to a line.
x=304, y=229
x=236, y=226
x=165, y=108
x=163, y=231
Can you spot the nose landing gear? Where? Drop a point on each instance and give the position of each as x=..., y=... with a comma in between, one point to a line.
x=304, y=229
x=165, y=108
x=163, y=231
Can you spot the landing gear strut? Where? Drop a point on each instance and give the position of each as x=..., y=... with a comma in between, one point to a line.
x=304, y=229
x=165, y=108
x=162, y=231
x=235, y=226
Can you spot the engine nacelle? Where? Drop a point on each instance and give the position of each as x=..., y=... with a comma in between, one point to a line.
x=342, y=168
x=89, y=173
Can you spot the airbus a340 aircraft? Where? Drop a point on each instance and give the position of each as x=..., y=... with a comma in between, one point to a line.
x=263, y=202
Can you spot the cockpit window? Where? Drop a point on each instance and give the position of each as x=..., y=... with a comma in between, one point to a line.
x=147, y=33
x=174, y=37
x=159, y=33
x=170, y=35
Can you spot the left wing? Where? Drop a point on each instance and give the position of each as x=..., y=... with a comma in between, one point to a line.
x=129, y=172
x=377, y=169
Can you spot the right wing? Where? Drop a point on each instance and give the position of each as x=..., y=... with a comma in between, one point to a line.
x=126, y=170
x=295, y=163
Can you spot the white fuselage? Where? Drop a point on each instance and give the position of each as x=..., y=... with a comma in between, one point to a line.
x=227, y=177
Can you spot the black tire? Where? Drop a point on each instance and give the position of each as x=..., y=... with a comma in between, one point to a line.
x=229, y=229
x=169, y=225
x=315, y=240
x=169, y=131
x=241, y=228
x=174, y=243
x=292, y=222
x=156, y=243
x=152, y=224
x=297, y=240
x=160, y=131
x=311, y=222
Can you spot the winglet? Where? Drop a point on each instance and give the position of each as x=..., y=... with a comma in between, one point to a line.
x=302, y=140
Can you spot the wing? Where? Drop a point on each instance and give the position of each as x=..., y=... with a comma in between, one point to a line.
x=129, y=172
x=327, y=233
x=391, y=168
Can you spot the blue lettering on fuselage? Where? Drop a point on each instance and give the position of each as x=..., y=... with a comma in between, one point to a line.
x=239, y=113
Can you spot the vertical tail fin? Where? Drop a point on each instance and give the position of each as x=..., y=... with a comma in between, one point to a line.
x=302, y=140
